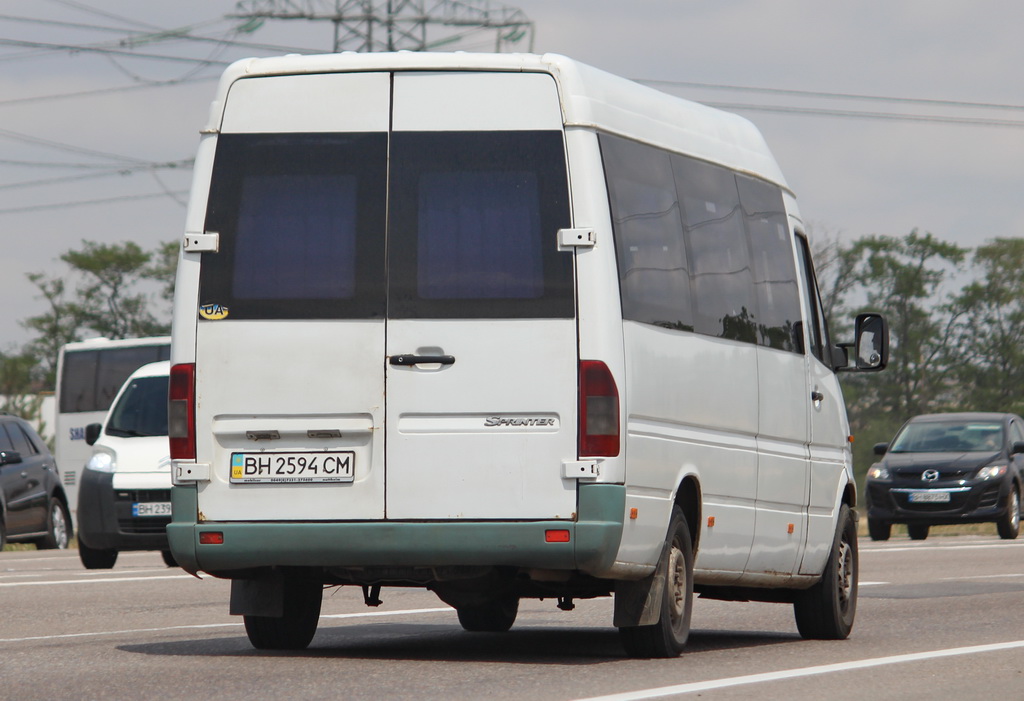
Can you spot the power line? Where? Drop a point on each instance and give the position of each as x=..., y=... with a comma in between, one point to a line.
x=86, y=203
x=835, y=95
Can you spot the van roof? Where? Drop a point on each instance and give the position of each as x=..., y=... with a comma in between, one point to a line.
x=590, y=98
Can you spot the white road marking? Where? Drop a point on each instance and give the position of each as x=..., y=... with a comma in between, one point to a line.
x=56, y=582
x=368, y=614
x=726, y=682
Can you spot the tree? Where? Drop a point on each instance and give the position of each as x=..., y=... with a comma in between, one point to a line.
x=109, y=297
x=987, y=355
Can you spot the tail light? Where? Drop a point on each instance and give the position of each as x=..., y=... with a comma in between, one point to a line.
x=599, y=410
x=181, y=412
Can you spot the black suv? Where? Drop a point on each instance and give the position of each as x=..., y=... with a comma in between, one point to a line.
x=33, y=507
x=948, y=468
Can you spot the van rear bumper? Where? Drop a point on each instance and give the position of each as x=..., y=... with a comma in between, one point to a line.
x=592, y=544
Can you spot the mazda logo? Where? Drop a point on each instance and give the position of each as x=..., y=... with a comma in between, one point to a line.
x=930, y=475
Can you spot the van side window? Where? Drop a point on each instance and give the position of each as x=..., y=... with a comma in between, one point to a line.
x=778, y=298
x=816, y=327
x=655, y=278
x=721, y=278
x=701, y=248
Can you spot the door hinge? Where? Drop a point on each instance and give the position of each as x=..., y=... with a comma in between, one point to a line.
x=186, y=472
x=576, y=238
x=202, y=243
x=581, y=469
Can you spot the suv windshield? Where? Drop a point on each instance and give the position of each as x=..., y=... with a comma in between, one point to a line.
x=949, y=437
x=142, y=409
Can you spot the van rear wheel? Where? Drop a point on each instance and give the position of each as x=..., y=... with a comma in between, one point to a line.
x=668, y=636
x=296, y=628
x=495, y=616
x=826, y=610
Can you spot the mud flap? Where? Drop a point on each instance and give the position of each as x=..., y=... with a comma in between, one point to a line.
x=258, y=597
x=638, y=602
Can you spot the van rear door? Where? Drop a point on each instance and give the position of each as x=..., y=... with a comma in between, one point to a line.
x=388, y=285
x=478, y=193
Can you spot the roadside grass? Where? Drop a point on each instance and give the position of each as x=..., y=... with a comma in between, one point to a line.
x=899, y=530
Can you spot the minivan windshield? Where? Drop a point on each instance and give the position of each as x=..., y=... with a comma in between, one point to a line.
x=141, y=410
x=949, y=437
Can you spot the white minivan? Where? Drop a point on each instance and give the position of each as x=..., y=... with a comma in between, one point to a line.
x=124, y=496
x=503, y=326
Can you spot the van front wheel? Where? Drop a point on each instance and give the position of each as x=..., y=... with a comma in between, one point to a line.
x=826, y=610
x=296, y=628
x=668, y=636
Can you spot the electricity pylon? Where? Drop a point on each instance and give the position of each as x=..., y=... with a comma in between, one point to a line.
x=395, y=25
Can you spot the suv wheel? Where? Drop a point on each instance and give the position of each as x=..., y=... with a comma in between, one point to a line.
x=1009, y=524
x=58, y=527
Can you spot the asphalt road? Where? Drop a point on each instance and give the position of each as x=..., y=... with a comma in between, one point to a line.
x=938, y=619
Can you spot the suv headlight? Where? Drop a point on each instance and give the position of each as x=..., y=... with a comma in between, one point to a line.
x=101, y=462
x=991, y=472
x=878, y=472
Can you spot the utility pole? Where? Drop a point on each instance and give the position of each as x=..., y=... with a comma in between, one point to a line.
x=397, y=25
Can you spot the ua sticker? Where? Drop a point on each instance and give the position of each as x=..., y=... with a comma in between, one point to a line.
x=213, y=311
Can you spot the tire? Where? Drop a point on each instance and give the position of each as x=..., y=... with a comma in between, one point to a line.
x=96, y=558
x=879, y=530
x=296, y=628
x=1008, y=524
x=168, y=558
x=917, y=531
x=493, y=617
x=668, y=636
x=58, y=527
x=826, y=610
x=3, y=535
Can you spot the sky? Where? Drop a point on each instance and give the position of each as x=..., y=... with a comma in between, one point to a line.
x=885, y=115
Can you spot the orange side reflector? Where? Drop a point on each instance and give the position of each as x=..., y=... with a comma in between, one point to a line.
x=633, y=513
x=790, y=529
x=211, y=538
x=711, y=521
x=556, y=536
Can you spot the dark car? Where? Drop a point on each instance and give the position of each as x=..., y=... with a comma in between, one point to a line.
x=33, y=507
x=945, y=469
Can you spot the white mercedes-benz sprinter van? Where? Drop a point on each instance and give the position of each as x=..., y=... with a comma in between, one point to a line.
x=503, y=326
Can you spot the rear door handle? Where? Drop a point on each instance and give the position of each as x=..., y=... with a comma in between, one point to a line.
x=408, y=359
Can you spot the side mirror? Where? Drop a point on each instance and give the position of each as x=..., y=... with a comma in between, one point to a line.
x=870, y=347
x=1017, y=447
x=92, y=433
x=871, y=339
x=881, y=448
x=9, y=457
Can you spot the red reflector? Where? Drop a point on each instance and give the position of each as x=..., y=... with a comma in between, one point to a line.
x=211, y=538
x=556, y=536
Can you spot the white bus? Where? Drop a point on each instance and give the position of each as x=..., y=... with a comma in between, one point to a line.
x=504, y=327
x=89, y=375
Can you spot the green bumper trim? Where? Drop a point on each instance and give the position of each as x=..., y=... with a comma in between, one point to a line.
x=593, y=543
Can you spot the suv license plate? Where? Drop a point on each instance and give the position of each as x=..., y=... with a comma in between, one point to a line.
x=292, y=468
x=151, y=508
x=928, y=497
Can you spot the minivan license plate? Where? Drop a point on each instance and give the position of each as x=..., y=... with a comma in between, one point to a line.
x=151, y=508
x=929, y=497
x=290, y=468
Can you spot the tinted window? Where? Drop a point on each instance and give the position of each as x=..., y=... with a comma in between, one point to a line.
x=722, y=281
x=22, y=443
x=90, y=379
x=816, y=327
x=301, y=220
x=473, y=225
x=949, y=437
x=5, y=440
x=142, y=409
x=653, y=270
x=775, y=285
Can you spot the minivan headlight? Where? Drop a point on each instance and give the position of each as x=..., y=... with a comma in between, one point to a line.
x=101, y=462
x=991, y=472
x=878, y=472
